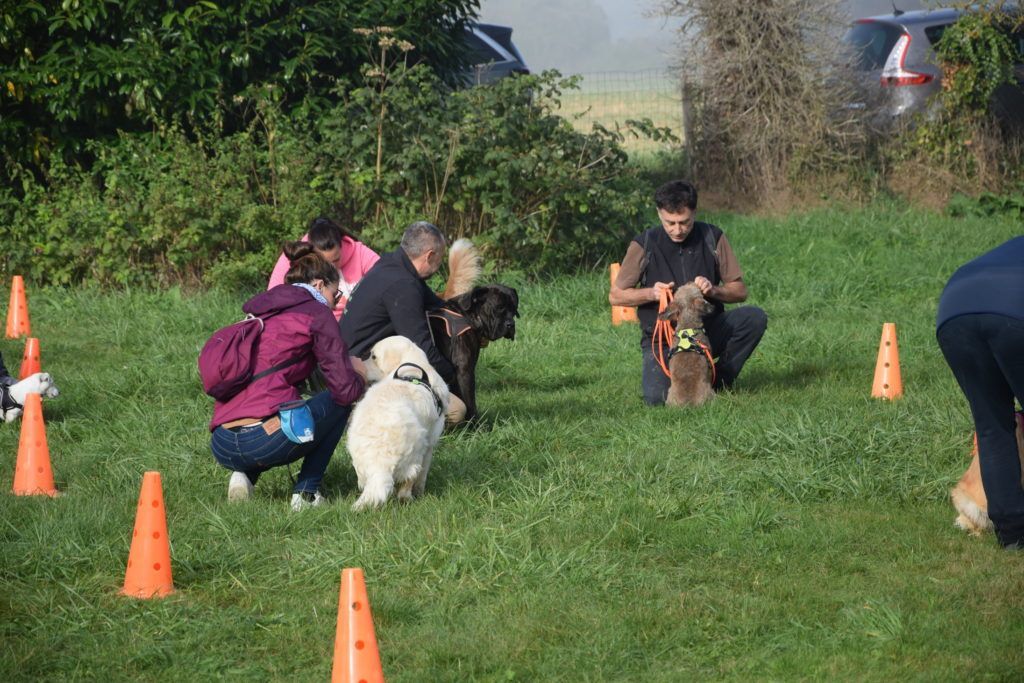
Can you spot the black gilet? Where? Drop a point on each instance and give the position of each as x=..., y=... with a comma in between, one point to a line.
x=678, y=262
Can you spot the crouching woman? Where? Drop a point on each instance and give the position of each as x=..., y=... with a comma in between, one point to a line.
x=299, y=332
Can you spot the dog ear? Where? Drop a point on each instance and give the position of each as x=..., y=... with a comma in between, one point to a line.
x=671, y=311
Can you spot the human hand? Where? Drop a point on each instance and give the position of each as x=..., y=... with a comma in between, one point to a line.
x=659, y=287
x=358, y=366
x=703, y=284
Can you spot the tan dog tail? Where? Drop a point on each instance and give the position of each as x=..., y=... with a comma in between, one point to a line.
x=463, y=268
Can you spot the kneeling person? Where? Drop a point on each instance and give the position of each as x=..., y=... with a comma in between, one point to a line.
x=393, y=299
x=299, y=332
x=679, y=250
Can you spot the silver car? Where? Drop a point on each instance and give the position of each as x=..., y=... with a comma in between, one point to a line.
x=895, y=57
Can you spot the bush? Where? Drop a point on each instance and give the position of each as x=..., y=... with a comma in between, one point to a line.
x=492, y=163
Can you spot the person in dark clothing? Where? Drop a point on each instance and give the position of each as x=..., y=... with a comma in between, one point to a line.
x=393, y=299
x=5, y=377
x=980, y=329
x=679, y=250
x=299, y=332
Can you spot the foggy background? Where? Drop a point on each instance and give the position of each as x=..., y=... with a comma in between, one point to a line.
x=584, y=36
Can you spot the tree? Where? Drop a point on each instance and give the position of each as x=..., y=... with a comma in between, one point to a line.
x=76, y=70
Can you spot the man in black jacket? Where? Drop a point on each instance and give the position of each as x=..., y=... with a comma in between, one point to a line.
x=392, y=299
x=680, y=250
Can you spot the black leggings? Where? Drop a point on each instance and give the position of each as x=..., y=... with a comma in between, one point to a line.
x=986, y=354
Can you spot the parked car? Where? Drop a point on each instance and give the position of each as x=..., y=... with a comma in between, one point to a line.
x=895, y=57
x=492, y=54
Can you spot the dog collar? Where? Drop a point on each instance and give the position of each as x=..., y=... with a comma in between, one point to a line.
x=422, y=381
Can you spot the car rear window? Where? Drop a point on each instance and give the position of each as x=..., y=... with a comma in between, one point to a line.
x=872, y=41
x=934, y=33
x=480, y=52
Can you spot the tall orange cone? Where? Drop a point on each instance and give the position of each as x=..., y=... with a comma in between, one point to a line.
x=32, y=473
x=17, y=311
x=30, y=363
x=356, y=658
x=888, y=383
x=621, y=314
x=149, y=560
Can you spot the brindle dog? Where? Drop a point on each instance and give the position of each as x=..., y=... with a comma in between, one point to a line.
x=468, y=322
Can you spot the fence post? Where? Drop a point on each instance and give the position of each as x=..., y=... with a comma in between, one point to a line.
x=686, y=93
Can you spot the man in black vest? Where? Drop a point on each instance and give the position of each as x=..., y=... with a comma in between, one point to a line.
x=679, y=250
x=392, y=298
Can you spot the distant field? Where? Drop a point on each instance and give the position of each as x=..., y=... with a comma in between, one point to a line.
x=611, y=98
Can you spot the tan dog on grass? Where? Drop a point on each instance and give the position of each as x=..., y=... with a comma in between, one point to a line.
x=968, y=495
x=689, y=360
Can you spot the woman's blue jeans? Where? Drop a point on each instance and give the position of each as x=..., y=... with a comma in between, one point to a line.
x=251, y=450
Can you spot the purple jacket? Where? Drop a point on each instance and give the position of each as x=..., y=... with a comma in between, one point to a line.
x=306, y=328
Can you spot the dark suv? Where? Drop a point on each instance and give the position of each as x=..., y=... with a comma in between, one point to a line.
x=492, y=54
x=894, y=56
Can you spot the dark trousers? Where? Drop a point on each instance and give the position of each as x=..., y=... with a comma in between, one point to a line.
x=986, y=354
x=251, y=450
x=733, y=334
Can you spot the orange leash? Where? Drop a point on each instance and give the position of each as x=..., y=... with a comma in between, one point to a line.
x=664, y=334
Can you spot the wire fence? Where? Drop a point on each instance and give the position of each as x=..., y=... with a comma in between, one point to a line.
x=611, y=97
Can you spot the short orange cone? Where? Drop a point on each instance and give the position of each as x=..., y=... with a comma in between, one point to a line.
x=621, y=314
x=17, y=311
x=356, y=658
x=149, y=560
x=33, y=475
x=30, y=363
x=888, y=383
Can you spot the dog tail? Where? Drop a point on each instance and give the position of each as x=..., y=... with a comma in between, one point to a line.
x=379, y=486
x=463, y=268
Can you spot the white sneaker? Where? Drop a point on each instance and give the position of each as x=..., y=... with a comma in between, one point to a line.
x=301, y=501
x=239, y=486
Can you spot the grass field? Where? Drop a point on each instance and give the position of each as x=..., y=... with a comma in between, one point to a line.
x=792, y=529
x=612, y=98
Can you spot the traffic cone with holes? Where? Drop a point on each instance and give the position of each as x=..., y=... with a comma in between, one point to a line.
x=30, y=363
x=17, y=311
x=33, y=475
x=888, y=383
x=356, y=658
x=621, y=314
x=149, y=560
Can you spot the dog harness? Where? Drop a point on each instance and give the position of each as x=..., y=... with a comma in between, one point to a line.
x=686, y=340
x=422, y=381
x=455, y=324
x=7, y=402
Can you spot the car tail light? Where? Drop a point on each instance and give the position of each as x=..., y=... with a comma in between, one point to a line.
x=894, y=74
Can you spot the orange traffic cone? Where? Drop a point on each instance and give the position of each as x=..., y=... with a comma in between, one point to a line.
x=32, y=473
x=621, y=314
x=888, y=383
x=30, y=363
x=356, y=658
x=149, y=560
x=17, y=312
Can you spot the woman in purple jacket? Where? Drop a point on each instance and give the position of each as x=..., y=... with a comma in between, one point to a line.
x=299, y=332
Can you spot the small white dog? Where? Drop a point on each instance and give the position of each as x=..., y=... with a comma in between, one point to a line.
x=397, y=424
x=13, y=396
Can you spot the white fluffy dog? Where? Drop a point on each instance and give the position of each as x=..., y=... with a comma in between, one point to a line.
x=397, y=424
x=13, y=396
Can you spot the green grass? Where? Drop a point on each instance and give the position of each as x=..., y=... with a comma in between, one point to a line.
x=794, y=528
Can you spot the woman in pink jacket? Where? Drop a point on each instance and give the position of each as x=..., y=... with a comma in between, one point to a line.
x=338, y=246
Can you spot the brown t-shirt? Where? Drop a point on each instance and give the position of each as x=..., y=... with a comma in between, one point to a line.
x=630, y=272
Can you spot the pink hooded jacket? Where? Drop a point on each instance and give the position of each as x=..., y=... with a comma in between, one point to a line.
x=356, y=258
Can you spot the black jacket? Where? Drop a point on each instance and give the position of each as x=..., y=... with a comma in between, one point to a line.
x=5, y=377
x=392, y=299
x=679, y=262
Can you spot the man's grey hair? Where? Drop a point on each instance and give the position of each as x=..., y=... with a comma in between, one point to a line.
x=421, y=237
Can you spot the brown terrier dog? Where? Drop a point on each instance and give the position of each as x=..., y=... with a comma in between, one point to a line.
x=968, y=495
x=690, y=361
